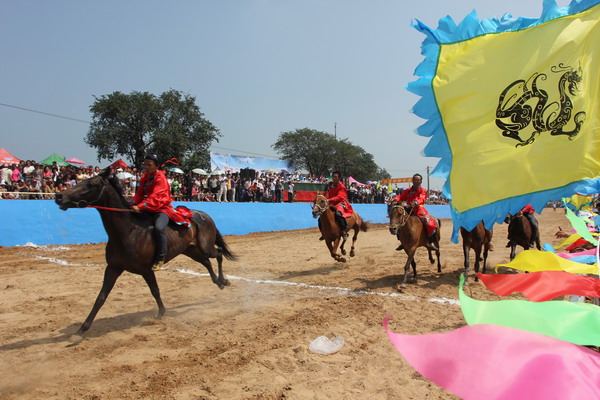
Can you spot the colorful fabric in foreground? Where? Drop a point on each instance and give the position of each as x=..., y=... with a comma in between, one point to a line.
x=506, y=100
x=526, y=365
x=577, y=323
x=535, y=260
x=542, y=286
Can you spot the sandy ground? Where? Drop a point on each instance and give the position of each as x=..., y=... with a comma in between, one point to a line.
x=248, y=341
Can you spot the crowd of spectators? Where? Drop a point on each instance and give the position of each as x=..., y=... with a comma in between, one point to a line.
x=31, y=180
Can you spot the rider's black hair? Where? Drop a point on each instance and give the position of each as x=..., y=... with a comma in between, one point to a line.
x=419, y=175
x=337, y=172
x=152, y=157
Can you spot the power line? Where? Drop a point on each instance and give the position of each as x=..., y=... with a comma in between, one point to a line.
x=45, y=113
x=88, y=122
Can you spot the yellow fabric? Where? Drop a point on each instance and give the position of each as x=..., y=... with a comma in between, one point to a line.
x=581, y=202
x=471, y=76
x=571, y=239
x=535, y=260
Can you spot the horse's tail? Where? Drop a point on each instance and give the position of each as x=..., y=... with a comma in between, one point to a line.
x=364, y=226
x=219, y=241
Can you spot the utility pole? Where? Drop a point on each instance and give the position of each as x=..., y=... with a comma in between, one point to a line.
x=335, y=129
x=428, y=181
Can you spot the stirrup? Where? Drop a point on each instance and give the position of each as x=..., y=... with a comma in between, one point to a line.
x=344, y=235
x=158, y=265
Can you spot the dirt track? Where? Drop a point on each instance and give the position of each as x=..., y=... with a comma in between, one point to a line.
x=248, y=341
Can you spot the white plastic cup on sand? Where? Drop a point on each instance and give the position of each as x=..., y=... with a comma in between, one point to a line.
x=324, y=345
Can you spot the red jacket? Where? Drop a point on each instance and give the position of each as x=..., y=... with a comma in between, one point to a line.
x=338, y=196
x=154, y=195
x=415, y=198
x=528, y=209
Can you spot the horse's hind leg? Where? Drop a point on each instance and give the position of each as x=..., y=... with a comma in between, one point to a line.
x=466, y=264
x=111, y=274
x=196, y=255
x=150, y=279
x=354, y=237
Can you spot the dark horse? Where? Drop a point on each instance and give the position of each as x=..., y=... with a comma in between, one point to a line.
x=519, y=233
x=412, y=234
x=130, y=244
x=331, y=230
x=477, y=239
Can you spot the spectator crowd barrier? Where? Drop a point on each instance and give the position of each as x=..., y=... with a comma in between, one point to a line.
x=41, y=222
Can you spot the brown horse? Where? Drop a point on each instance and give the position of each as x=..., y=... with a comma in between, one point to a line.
x=331, y=230
x=412, y=234
x=477, y=239
x=519, y=233
x=130, y=244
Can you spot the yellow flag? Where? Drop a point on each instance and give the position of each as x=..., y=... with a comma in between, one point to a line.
x=513, y=109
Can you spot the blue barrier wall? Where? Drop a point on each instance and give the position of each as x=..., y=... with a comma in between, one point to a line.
x=42, y=222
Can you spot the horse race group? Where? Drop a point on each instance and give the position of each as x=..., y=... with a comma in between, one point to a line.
x=141, y=240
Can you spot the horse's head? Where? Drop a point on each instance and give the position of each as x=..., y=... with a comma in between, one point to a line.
x=398, y=217
x=319, y=205
x=88, y=191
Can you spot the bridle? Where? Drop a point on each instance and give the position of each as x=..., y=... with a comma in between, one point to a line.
x=85, y=203
x=320, y=209
x=404, y=215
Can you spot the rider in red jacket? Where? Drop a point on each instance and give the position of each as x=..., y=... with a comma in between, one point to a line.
x=415, y=197
x=154, y=196
x=338, y=198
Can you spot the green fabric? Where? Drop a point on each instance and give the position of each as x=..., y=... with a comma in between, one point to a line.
x=577, y=323
x=580, y=226
x=60, y=161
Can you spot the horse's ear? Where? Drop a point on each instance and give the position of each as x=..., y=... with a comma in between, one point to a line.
x=105, y=173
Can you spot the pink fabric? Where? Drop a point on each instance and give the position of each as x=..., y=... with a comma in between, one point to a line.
x=496, y=362
x=352, y=180
x=590, y=252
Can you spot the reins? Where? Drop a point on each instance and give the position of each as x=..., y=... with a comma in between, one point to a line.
x=112, y=209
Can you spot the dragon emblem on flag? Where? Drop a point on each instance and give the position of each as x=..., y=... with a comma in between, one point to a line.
x=524, y=104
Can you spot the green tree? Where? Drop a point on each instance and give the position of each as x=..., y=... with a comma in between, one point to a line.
x=132, y=125
x=320, y=153
x=307, y=149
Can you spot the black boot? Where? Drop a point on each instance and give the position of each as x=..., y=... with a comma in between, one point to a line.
x=431, y=239
x=401, y=247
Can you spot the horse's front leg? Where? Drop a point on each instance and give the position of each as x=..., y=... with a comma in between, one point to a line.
x=111, y=274
x=333, y=246
x=150, y=279
x=411, y=255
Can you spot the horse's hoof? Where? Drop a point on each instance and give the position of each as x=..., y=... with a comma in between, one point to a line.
x=400, y=287
x=352, y=254
x=76, y=338
x=343, y=252
x=342, y=260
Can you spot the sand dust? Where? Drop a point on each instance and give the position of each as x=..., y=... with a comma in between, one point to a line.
x=248, y=341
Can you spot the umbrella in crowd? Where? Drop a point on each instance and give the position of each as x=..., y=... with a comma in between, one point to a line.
x=217, y=172
x=124, y=175
x=176, y=170
x=75, y=161
x=199, y=171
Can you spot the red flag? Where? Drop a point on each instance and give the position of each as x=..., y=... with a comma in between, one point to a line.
x=543, y=285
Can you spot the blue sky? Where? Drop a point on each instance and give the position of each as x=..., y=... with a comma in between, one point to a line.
x=256, y=67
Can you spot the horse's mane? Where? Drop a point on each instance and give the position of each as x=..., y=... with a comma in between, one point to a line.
x=116, y=184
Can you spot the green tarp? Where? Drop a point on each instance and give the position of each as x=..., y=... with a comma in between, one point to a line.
x=60, y=161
